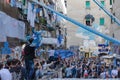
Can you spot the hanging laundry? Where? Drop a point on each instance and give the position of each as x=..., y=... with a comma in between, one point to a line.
x=31, y=15
x=60, y=5
x=29, y=11
x=60, y=40
x=65, y=3
x=13, y=3
x=59, y=20
x=50, y=13
x=46, y=15
x=19, y=4
x=38, y=10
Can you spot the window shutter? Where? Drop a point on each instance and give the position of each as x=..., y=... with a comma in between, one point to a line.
x=102, y=21
x=87, y=4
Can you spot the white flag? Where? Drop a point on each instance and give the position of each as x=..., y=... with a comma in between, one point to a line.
x=11, y=27
x=2, y=28
x=2, y=33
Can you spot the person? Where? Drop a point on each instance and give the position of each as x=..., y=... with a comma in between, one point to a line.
x=38, y=71
x=4, y=73
x=68, y=71
x=119, y=72
x=8, y=61
x=51, y=54
x=85, y=72
x=29, y=55
x=114, y=72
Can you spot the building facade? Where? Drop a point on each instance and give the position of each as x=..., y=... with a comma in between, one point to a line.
x=89, y=14
x=44, y=19
x=115, y=28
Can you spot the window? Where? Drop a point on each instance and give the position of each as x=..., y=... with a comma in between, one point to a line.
x=110, y=2
x=87, y=4
x=112, y=19
x=103, y=3
x=88, y=23
x=113, y=35
x=87, y=55
x=113, y=1
x=24, y=2
x=102, y=21
x=114, y=13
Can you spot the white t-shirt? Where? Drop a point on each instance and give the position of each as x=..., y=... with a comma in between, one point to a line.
x=5, y=74
x=51, y=52
x=102, y=75
x=68, y=71
x=114, y=72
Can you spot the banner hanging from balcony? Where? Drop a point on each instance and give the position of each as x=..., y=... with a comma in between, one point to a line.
x=11, y=27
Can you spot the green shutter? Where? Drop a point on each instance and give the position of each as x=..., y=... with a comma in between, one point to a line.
x=102, y=21
x=87, y=4
x=24, y=2
x=87, y=19
x=103, y=3
x=110, y=2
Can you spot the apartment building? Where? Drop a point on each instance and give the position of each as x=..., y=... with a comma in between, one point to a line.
x=115, y=28
x=91, y=15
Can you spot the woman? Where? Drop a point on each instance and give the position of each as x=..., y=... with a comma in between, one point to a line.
x=4, y=73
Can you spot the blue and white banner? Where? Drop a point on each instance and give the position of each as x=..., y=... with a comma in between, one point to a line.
x=2, y=33
x=10, y=27
x=63, y=53
x=6, y=49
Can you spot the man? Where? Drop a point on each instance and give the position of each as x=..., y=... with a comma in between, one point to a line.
x=119, y=72
x=4, y=73
x=114, y=72
x=51, y=54
x=29, y=55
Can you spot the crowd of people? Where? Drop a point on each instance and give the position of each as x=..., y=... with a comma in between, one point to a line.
x=14, y=69
x=29, y=67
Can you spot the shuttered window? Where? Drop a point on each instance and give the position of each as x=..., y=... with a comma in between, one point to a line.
x=110, y=2
x=102, y=21
x=87, y=4
x=103, y=3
